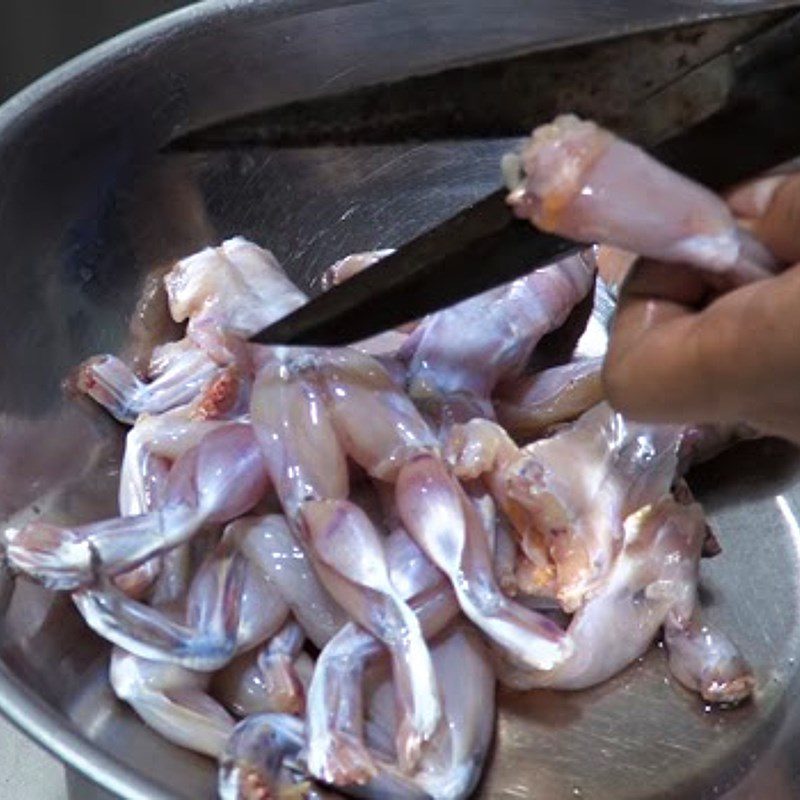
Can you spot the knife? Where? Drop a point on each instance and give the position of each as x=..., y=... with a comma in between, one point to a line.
x=728, y=116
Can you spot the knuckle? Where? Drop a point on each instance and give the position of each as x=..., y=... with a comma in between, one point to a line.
x=618, y=387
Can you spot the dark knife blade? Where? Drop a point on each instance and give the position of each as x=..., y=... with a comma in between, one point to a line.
x=755, y=125
x=431, y=272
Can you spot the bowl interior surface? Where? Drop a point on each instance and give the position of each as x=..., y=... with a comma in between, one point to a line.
x=89, y=205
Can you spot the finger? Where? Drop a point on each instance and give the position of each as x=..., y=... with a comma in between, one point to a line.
x=680, y=284
x=655, y=310
x=738, y=359
x=770, y=208
x=652, y=371
x=752, y=199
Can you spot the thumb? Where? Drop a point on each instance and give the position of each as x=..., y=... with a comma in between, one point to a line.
x=770, y=208
x=737, y=359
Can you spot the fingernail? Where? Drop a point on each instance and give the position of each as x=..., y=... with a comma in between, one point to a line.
x=753, y=199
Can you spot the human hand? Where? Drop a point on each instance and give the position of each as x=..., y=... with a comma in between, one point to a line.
x=679, y=353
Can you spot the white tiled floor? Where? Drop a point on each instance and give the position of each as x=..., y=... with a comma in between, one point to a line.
x=26, y=771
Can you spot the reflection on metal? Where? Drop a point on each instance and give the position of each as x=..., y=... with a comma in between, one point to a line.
x=750, y=85
x=610, y=76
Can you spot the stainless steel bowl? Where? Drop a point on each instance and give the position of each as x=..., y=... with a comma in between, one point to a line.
x=88, y=205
